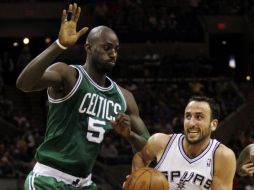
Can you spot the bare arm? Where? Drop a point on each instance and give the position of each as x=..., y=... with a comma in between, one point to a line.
x=152, y=151
x=35, y=75
x=245, y=161
x=130, y=125
x=224, y=169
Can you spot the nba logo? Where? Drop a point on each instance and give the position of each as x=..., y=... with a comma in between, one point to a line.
x=208, y=164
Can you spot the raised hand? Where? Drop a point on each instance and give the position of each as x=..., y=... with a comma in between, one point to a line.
x=68, y=34
x=122, y=124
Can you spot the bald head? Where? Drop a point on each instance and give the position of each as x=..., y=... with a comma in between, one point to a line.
x=99, y=32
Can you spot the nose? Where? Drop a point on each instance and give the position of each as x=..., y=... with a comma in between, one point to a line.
x=192, y=122
x=113, y=54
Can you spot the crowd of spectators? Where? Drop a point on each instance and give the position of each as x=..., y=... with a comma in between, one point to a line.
x=140, y=21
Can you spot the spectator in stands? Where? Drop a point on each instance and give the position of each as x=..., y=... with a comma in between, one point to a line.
x=245, y=161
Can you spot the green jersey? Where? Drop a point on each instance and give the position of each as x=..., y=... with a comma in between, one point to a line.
x=77, y=124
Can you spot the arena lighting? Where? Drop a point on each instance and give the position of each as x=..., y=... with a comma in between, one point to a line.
x=248, y=78
x=224, y=42
x=26, y=40
x=47, y=40
x=221, y=25
x=232, y=62
x=15, y=44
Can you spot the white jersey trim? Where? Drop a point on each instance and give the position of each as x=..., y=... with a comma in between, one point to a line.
x=192, y=160
x=94, y=83
x=170, y=142
x=214, y=150
x=74, y=89
x=122, y=96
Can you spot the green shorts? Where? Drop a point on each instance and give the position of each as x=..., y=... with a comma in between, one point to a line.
x=39, y=182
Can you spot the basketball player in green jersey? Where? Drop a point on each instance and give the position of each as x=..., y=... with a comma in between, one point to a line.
x=84, y=104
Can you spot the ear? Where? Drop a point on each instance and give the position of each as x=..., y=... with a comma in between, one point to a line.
x=214, y=124
x=88, y=48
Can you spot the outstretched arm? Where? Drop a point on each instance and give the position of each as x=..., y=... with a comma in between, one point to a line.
x=35, y=75
x=245, y=161
x=224, y=169
x=130, y=125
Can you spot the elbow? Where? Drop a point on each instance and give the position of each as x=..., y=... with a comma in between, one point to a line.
x=20, y=84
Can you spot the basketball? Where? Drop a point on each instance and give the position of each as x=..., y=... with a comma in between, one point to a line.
x=146, y=179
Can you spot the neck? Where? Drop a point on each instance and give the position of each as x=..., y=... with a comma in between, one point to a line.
x=193, y=150
x=95, y=75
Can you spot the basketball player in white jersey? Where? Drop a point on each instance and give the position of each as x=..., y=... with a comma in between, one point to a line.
x=245, y=161
x=192, y=161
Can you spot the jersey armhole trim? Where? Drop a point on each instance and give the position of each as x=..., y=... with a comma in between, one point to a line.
x=122, y=96
x=164, y=154
x=70, y=94
x=216, y=146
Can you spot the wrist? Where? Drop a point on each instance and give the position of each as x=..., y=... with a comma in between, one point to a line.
x=130, y=135
x=60, y=45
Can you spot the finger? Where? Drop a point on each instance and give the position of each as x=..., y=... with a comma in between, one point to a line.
x=120, y=116
x=250, y=170
x=124, y=120
x=74, y=10
x=64, y=15
x=70, y=8
x=77, y=14
x=249, y=165
x=82, y=31
x=69, y=13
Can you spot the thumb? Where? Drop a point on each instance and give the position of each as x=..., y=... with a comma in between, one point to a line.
x=82, y=31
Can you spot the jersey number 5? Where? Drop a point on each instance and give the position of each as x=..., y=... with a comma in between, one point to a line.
x=95, y=131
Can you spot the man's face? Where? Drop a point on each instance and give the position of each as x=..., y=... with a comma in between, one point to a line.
x=197, y=122
x=104, y=52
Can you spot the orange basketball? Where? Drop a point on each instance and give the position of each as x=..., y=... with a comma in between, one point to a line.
x=146, y=179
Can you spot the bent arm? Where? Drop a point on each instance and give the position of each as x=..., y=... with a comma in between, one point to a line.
x=139, y=133
x=224, y=169
x=151, y=151
x=34, y=75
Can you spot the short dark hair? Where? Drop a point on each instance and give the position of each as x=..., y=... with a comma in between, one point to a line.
x=214, y=106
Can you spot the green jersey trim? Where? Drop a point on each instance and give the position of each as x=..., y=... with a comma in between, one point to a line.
x=74, y=89
x=122, y=96
x=100, y=88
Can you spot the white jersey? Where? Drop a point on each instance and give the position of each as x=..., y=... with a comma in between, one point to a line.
x=186, y=173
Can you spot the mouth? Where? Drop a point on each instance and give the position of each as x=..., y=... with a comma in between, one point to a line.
x=193, y=133
x=110, y=62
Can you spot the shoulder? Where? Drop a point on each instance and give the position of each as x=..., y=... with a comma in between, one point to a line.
x=126, y=93
x=132, y=107
x=156, y=144
x=159, y=140
x=224, y=158
x=223, y=152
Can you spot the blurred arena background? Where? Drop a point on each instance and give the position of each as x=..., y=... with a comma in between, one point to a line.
x=169, y=51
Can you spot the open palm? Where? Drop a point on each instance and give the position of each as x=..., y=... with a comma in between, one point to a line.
x=68, y=34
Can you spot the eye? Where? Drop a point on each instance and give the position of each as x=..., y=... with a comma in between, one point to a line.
x=188, y=117
x=106, y=47
x=199, y=117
